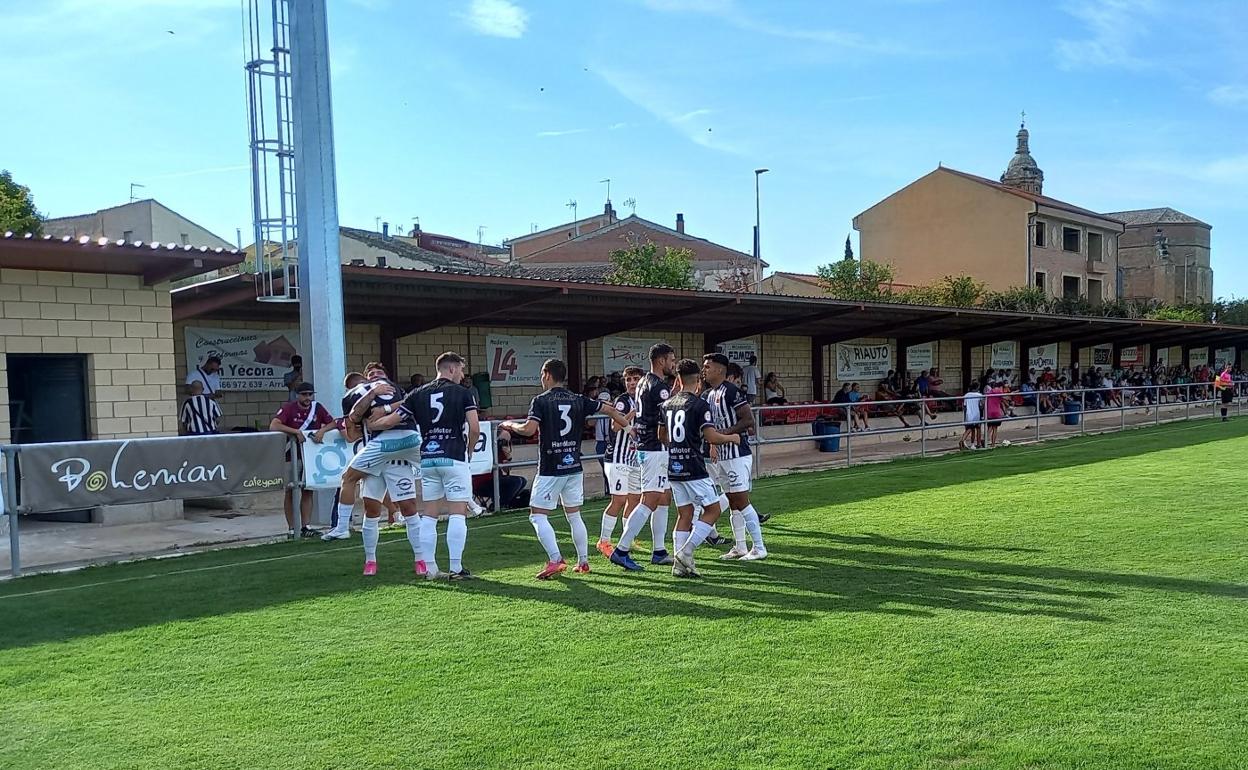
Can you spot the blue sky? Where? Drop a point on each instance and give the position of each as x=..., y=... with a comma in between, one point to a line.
x=496, y=113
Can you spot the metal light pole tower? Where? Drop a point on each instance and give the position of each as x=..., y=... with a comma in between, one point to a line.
x=758, y=234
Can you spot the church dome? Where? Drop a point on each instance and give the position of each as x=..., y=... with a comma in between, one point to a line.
x=1023, y=173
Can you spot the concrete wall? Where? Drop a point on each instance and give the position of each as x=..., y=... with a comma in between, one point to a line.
x=1147, y=277
x=146, y=221
x=1055, y=262
x=123, y=328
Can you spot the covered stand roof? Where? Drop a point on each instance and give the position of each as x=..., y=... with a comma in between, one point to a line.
x=411, y=301
x=155, y=262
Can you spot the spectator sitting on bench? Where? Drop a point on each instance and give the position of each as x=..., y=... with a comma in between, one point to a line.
x=885, y=393
x=773, y=390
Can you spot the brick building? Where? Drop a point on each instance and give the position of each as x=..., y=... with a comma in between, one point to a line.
x=1164, y=255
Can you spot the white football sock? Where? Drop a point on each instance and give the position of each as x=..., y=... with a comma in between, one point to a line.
x=545, y=535
x=344, y=518
x=412, y=525
x=636, y=522
x=723, y=502
x=752, y=524
x=580, y=537
x=701, y=531
x=456, y=539
x=679, y=537
x=429, y=542
x=738, y=529
x=371, y=534
x=658, y=528
x=608, y=526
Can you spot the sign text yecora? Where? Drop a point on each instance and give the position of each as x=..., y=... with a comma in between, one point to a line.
x=76, y=475
x=324, y=463
x=620, y=352
x=251, y=359
x=517, y=359
x=863, y=362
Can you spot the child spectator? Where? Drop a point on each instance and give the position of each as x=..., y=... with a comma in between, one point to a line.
x=972, y=418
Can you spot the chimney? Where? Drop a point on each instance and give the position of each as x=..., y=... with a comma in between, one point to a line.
x=609, y=211
x=680, y=223
x=385, y=231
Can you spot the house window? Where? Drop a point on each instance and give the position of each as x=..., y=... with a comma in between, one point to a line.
x=128, y=236
x=1070, y=239
x=186, y=239
x=1095, y=292
x=1040, y=239
x=1070, y=287
x=1039, y=280
x=1095, y=247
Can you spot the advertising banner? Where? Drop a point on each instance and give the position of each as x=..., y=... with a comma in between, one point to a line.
x=921, y=357
x=1042, y=357
x=1131, y=356
x=1163, y=357
x=1004, y=355
x=517, y=359
x=324, y=463
x=1197, y=357
x=250, y=359
x=619, y=352
x=863, y=362
x=1223, y=356
x=1103, y=355
x=739, y=351
x=72, y=476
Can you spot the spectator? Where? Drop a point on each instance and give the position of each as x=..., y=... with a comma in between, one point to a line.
x=200, y=415
x=416, y=381
x=934, y=391
x=994, y=407
x=773, y=389
x=857, y=412
x=736, y=375
x=749, y=376
x=298, y=419
x=209, y=375
x=923, y=384
x=842, y=397
x=510, y=488
x=972, y=418
x=595, y=390
x=292, y=378
x=886, y=405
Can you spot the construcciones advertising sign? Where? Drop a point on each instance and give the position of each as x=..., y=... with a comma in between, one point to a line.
x=251, y=359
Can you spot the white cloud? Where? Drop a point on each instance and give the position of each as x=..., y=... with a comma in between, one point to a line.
x=1113, y=28
x=566, y=132
x=1230, y=95
x=497, y=18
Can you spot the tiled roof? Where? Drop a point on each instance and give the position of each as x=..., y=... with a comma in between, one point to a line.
x=596, y=246
x=1043, y=200
x=405, y=248
x=111, y=243
x=1159, y=216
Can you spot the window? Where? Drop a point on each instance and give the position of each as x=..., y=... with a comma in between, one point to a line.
x=186, y=239
x=1040, y=239
x=1070, y=287
x=1070, y=239
x=1095, y=247
x=128, y=236
x=1040, y=280
x=1095, y=292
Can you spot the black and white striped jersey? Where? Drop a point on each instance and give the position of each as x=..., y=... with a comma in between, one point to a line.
x=724, y=400
x=623, y=449
x=379, y=404
x=200, y=415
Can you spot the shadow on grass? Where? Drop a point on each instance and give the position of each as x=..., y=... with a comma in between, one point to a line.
x=813, y=574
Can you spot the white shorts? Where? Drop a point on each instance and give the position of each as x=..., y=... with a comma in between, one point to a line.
x=549, y=492
x=452, y=482
x=624, y=479
x=391, y=445
x=732, y=475
x=399, y=478
x=653, y=471
x=697, y=492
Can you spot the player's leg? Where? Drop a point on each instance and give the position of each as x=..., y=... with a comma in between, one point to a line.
x=739, y=504
x=457, y=482
x=402, y=489
x=701, y=491
x=617, y=482
x=572, y=497
x=654, y=484
x=545, y=490
x=658, y=530
x=374, y=492
x=434, y=495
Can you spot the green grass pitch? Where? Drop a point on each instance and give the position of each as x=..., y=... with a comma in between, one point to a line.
x=1077, y=604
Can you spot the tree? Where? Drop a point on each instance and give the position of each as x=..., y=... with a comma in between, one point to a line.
x=17, y=209
x=849, y=250
x=857, y=279
x=1025, y=299
x=641, y=264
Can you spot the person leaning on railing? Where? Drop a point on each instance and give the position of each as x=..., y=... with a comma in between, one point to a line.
x=295, y=419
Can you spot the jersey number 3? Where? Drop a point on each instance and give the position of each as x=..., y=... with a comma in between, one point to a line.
x=565, y=421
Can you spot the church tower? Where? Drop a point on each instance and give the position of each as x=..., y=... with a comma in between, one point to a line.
x=1023, y=173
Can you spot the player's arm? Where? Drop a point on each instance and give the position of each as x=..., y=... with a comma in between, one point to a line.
x=527, y=428
x=617, y=417
x=713, y=436
x=384, y=421
x=366, y=401
x=745, y=419
x=474, y=430
x=663, y=437
x=351, y=431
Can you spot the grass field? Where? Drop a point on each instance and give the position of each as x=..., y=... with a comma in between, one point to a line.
x=1075, y=604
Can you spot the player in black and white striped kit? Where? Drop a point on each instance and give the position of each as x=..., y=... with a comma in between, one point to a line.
x=623, y=468
x=731, y=464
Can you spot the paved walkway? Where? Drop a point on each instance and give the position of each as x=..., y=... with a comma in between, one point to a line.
x=53, y=545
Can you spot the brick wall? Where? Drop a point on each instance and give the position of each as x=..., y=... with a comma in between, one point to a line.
x=123, y=328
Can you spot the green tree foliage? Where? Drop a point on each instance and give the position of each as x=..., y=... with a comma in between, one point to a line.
x=1187, y=313
x=857, y=279
x=642, y=264
x=17, y=209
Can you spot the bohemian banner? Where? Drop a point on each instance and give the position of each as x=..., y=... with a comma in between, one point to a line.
x=72, y=476
x=863, y=362
x=251, y=359
x=324, y=463
x=1042, y=357
x=619, y=352
x=517, y=360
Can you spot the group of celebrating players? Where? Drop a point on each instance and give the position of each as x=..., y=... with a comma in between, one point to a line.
x=679, y=431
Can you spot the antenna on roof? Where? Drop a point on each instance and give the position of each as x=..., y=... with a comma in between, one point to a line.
x=632, y=205
x=480, y=238
x=132, y=186
x=607, y=182
x=576, y=226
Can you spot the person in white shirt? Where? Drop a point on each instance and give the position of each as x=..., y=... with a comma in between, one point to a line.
x=208, y=373
x=749, y=377
x=973, y=416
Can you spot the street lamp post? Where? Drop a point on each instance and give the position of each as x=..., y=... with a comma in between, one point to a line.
x=758, y=256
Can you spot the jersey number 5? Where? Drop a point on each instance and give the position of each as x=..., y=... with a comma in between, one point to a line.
x=435, y=403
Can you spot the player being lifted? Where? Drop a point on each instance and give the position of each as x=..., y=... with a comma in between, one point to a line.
x=559, y=416
x=652, y=391
x=447, y=418
x=623, y=469
x=730, y=464
x=686, y=424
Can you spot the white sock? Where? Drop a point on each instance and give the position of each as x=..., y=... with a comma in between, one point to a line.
x=545, y=535
x=701, y=531
x=608, y=526
x=412, y=525
x=723, y=502
x=580, y=537
x=750, y=517
x=658, y=528
x=636, y=522
x=344, y=518
x=679, y=537
x=429, y=542
x=738, y=529
x=371, y=534
x=456, y=539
